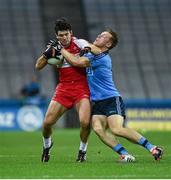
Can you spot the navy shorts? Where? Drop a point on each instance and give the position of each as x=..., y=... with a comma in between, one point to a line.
x=108, y=107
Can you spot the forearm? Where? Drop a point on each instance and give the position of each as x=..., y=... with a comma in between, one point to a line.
x=40, y=63
x=75, y=60
x=94, y=49
x=52, y=50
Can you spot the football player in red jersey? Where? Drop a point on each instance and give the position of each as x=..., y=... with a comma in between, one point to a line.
x=72, y=89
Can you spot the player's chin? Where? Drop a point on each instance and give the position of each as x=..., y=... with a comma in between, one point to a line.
x=96, y=43
x=65, y=43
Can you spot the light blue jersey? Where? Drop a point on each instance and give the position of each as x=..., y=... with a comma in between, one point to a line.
x=99, y=76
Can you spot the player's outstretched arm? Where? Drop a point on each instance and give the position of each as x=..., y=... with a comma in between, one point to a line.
x=75, y=60
x=41, y=63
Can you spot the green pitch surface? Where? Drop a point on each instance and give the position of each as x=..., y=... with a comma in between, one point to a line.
x=20, y=157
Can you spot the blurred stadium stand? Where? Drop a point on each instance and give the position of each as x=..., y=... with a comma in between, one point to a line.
x=141, y=61
x=22, y=41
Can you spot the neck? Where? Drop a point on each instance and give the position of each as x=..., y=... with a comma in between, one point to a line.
x=104, y=49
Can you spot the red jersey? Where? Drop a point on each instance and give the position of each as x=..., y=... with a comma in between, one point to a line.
x=69, y=73
x=73, y=84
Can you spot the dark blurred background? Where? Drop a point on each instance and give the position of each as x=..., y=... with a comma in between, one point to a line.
x=141, y=61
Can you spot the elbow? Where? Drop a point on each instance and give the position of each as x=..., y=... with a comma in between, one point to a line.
x=40, y=63
x=37, y=67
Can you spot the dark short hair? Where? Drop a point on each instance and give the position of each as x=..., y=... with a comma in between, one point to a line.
x=62, y=25
x=114, y=38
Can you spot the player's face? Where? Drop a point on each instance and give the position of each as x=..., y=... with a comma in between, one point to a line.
x=64, y=37
x=103, y=40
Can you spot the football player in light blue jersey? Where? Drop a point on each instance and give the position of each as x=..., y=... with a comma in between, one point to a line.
x=99, y=76
x=108, y=109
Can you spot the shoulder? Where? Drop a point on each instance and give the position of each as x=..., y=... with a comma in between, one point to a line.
x=81, y=43
x=102, y=55
x=92, y=56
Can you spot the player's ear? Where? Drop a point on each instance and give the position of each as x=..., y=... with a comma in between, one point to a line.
x=56, y=36
x=109, y=44
x=71, y=32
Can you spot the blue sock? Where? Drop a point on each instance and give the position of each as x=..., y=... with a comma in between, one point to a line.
x=120, y=149
x=144, y=142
